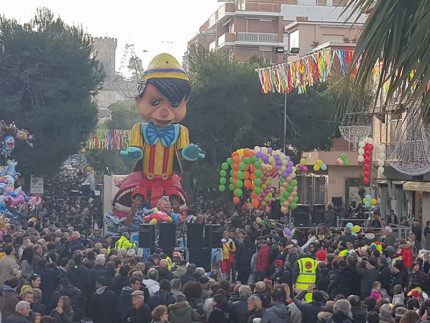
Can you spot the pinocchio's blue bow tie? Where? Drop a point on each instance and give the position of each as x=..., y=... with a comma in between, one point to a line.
x=166, y=135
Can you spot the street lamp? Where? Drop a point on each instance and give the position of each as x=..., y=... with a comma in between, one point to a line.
x=295, y=51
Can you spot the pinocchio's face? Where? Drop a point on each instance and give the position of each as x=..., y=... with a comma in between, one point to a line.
x=156, y=108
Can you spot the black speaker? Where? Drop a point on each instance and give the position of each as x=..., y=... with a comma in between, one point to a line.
x=146, y=235
x=318, y=213
x=167, y=235
x=195, y=235
x=85, y=189
x=201, y=257
x=275, y=214
x=213, y=236
x=301, y=220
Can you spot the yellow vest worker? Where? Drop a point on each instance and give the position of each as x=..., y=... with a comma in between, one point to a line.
x=123, y=242
x=307, y=275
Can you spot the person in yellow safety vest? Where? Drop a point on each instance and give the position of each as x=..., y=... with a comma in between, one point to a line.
x=124, y=242
x=305, y=274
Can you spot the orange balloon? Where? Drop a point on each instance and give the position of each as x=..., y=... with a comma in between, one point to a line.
x=236, y=160
x=235, y=154
x=253, y=169
x=253, y=186
x=253, y=177
x=247, y=183
x=245, y=175
x=236, y=167
x=235, y=175
x=255, y=203
x=254, y=195
x=246, y=167
x=236, y=200
x=234, y=182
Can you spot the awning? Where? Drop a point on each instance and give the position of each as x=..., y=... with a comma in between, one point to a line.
x=417, y=186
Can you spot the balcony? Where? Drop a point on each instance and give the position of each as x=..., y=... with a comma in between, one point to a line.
x=258, y=38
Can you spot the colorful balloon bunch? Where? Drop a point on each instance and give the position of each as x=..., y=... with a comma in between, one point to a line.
x=343, y=160
x=254, y=170
x=368, y=200
x=289, y=196
x=302, y=165
x=319, y=165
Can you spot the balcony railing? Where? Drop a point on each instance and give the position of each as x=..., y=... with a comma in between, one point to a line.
x=258, y=37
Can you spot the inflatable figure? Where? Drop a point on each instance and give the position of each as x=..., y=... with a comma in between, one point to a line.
x=160, y=142
x=8, y=135
x=162, y=213
x=11, y=169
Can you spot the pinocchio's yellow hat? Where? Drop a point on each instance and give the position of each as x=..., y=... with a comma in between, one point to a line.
x=164, y=66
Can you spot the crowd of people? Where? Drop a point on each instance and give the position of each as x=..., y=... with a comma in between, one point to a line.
x=60, y=267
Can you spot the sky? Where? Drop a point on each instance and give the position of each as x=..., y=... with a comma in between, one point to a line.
x=152, y=27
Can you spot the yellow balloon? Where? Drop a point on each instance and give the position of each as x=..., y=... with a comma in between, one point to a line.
x=356, y=228
x=316, y=168
x=364, y=200
x=303, y=161
x=373, y=201
x=319, y=162
x=153, y=222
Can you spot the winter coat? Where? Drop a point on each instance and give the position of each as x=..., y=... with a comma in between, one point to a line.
x=64, y=317
x=93, y=274
x=124, y=301
x=239, y=311
x=367, y=279
x=253, y=315
x=358, y=314
x=119, y=283
x=152, y=285
x=77, y=298
x=384, y=277
x=162, y=297
x=39, y=308
x=141, y=315
x=196, y=304
x=9, y=300
x=181, y=312
x=243, y=258
x=398, y=299
x=102, y=306
x=26, y=269
x=49, y=278
x=217, y=315
x=343, y=282
x=309, y=310
x=263, y=256
x=16, y=318
x=78, y=276
x=164, y=273
x=76, y=245
x=401, y=278
x=8, y=268
x=277, y=313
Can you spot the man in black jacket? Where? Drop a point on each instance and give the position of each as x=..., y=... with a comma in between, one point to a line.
x=139, y=312
x=278, y=312
x=309, y=310
x=102, y=303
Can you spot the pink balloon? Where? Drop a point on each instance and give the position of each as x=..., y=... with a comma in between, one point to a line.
x=291, y=199
x=305, y=169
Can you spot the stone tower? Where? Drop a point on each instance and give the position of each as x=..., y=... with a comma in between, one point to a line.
x=104, y=48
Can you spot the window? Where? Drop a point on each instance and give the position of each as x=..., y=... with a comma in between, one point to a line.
x=294, y=39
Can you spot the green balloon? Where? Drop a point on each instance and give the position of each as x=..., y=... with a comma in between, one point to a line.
x=242, y=166
x=254, y=159
x=247, y=160
x=282, y=199
x=258, y=190
x=343, y=156
x=224, y=166
x=269, y=195
x=258, y=173
x=240, y=175
x=293, y=205
x=293, y=182
x=264, y=186
x=268, y=181
x=238, y=192
x=346, y=162
x=231, y=172
x=221, y=188
x=266, y=198
x=286, y=194
x=230, y=161
x=239, y=183
x=296, y=199
x=222, y=173
x=257, y=165
x=222, y=180
x=290, y=189
x=263, y=203
x=231, y=187
x=231, y=180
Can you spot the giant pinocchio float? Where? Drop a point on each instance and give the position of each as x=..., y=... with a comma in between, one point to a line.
x=160, y=142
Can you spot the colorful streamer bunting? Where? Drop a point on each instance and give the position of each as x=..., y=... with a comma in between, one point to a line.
x=305, y=71
x=102, y=139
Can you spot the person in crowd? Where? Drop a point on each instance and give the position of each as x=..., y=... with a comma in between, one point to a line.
x=160, y=314
x=124, y=241
x=278, y=311
x=163, y=296
x=8, y=265
x=63, y=313
x=78, y=274
x=26, y=264
x=239, y=309
x=102, y=303
x=152, y=282
x=34, y=281
x=220, y=311
x=139, y=312
x=9, y=297
x=309, y=310
x=21, y=315
x=125, y=298
x=181, y=312
x=255, y=308
x=228, y=250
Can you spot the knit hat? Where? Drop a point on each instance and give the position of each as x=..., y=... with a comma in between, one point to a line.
x=180, y=297
x=321, y=255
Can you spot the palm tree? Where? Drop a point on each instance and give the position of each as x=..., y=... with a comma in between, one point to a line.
x=397, y=35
